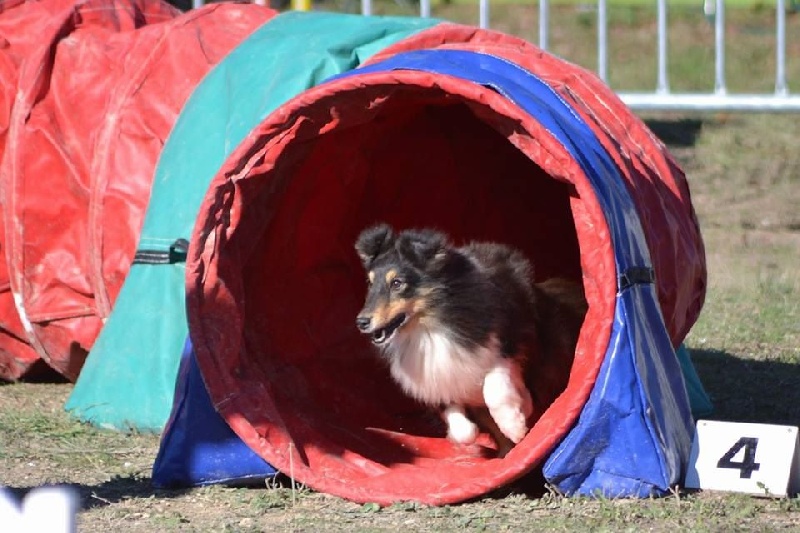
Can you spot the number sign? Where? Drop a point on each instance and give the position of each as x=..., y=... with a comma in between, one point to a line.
x=753, y=458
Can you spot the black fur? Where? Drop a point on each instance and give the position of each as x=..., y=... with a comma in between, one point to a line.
x=372, y=242
x=472, y=291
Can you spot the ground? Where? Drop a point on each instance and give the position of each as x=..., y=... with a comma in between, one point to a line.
x=744, y=173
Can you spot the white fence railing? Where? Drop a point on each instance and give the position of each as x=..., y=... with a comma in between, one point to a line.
x=662, y=98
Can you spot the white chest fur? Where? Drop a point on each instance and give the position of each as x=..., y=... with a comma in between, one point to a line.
x=433, y=368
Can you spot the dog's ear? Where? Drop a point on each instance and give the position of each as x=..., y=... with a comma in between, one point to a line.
x=423, y=248
x=373, y=241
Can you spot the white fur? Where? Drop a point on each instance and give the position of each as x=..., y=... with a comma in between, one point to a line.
x=433, y=368
x=508, y=399
x=460, y=429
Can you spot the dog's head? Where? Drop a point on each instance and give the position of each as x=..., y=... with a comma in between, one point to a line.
x=400, y=272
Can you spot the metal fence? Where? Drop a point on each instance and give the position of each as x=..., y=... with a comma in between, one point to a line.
x=661, y=98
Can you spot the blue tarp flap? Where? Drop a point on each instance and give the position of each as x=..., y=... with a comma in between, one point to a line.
x=199, y=447
x=631, y=437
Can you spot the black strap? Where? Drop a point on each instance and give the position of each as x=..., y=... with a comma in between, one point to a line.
x=176, y=254
x=636, y=276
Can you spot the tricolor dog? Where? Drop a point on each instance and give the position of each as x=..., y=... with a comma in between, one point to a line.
x=457, y=325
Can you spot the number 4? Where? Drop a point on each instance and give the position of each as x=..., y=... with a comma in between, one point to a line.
x=748, y=464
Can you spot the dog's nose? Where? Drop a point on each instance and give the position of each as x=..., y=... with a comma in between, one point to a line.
x=363, y=322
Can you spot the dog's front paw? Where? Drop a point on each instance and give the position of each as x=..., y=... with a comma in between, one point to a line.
x=511, y=421
x=507, y=399
x=460, y=429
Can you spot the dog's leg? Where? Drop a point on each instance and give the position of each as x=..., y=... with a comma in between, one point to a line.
x=508, y=399
x=485, y=422
x=460, y=429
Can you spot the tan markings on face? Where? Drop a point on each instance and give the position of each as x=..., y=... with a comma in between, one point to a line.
x=371, y=276
x=385, y=313
x=418, y=305
x=390, y=275
x=422, y=311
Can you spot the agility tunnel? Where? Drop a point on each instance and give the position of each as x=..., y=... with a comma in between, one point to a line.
x=260, y=145
x=476, y=133
x=89, y=91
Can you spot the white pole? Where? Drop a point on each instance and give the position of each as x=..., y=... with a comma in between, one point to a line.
x=544, y=23
x=602, y=40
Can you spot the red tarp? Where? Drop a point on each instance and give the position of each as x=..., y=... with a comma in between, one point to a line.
x=89, y=91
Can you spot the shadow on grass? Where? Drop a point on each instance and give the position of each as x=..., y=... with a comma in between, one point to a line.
x=122, y=488
x=749, y=390
x=115, y=490
x=678, y=132
x=39, y=372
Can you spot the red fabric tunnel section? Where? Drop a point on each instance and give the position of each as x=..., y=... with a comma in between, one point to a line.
x=274, y=284
x=89, y=91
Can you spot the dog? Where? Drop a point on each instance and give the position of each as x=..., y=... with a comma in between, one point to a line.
x=466, y=330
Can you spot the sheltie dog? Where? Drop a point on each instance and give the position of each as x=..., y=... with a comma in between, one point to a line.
x=465, y=329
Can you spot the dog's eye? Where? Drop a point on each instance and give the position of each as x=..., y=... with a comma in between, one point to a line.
x=396, y=284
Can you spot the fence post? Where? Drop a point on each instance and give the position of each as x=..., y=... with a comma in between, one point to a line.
x=544, y=22
x=781, y=87
x=602, y=40
x=425, y=8
x=483, y=15
x=719, y=49
x=662, y=84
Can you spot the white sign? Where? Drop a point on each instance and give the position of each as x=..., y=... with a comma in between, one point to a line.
x=758, y=459
x=50, y=509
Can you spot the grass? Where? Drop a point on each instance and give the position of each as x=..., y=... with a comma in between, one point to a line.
x=42, y=445
x=744, y=171
x=755, y=236
x=118, y=496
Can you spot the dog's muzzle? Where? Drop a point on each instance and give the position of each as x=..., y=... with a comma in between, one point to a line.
x=381, y=335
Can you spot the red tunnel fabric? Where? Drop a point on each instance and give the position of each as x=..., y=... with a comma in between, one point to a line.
x=89, y=91
x=656, y=182
x=273, y=283
x=28, y=30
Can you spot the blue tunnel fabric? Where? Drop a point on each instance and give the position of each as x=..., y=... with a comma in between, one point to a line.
x=198, y=447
